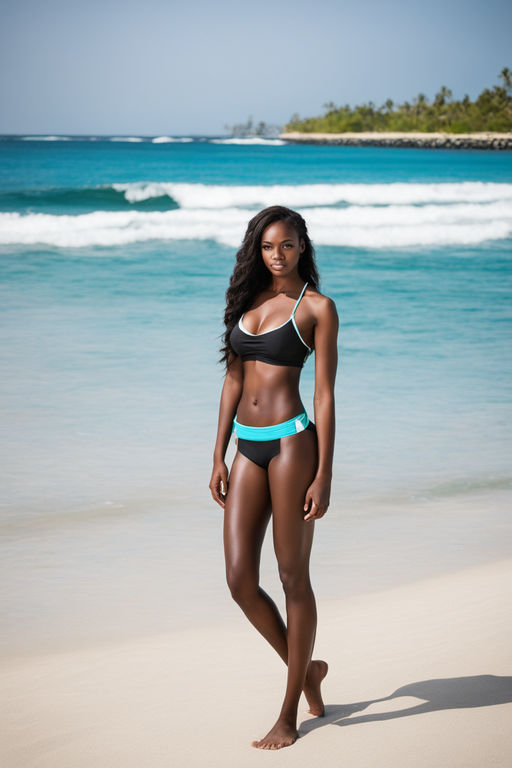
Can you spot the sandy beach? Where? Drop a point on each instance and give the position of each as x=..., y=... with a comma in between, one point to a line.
x=419, y=671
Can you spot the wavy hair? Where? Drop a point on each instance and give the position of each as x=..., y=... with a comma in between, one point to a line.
x=250, y=275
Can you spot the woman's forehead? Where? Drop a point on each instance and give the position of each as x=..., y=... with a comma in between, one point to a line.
x=279, y=230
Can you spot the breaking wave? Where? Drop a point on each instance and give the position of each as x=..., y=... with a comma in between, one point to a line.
x=356, y=215
x=251, y=140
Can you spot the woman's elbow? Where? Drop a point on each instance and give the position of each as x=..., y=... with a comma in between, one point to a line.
x=324, y=397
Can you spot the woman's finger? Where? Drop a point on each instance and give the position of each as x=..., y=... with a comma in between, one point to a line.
x=221, y=491
x=312, y=512
x=306, y=501
x=217, y=486
x=215, y=494
x=317, y=511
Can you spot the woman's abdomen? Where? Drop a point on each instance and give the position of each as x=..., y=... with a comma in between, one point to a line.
x=270, y=394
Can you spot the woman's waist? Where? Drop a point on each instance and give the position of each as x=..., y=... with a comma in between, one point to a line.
x=267, y=411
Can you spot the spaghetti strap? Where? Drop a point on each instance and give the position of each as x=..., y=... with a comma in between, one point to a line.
x=300, y=297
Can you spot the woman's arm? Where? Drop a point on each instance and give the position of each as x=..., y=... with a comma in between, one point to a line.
x=229, y=399
x=326, y=363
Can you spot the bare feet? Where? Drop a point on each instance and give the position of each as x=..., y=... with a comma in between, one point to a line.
x=317, y=670
x=281, y=735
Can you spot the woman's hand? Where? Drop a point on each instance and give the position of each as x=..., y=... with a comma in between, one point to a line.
x=219, y=482
x=318, y=495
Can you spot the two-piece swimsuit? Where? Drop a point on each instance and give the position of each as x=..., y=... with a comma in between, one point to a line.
x=280, y=346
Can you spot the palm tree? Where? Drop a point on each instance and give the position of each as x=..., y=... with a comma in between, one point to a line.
x=419, y=105
x=506, y=76
x=443, y=96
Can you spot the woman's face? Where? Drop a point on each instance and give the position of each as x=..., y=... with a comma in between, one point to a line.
x=281, y=248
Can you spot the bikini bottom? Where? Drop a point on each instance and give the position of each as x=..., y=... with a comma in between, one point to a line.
x=261, y=444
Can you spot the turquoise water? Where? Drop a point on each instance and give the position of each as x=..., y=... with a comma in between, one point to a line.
x=114, y=260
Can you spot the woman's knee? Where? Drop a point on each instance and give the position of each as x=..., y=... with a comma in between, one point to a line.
x=296, y=583
x=243, y=585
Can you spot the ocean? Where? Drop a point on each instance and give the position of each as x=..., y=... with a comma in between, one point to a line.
x=115, y=255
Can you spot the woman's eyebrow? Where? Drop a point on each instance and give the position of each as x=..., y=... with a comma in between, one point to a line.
x=286, y=240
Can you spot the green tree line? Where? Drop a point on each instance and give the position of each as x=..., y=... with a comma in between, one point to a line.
x=491, y=111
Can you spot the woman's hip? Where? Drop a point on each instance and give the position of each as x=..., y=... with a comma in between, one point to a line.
x=274, y=431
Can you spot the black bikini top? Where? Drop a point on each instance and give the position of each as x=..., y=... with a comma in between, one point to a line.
x=280, y=346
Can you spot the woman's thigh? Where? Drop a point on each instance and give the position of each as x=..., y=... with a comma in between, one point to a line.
x=246, y=514
x=290, y=474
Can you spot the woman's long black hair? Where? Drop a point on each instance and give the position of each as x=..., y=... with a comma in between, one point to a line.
x=250, y=275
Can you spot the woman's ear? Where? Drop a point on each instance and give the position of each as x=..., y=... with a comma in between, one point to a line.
x=302, y=245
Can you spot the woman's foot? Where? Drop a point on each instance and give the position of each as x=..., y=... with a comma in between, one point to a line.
x=317, y=670
x=283, y=734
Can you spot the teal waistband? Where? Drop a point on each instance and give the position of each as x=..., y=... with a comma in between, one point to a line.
x=290, y=427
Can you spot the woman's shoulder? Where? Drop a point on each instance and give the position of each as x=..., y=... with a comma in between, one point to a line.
x=322, y=306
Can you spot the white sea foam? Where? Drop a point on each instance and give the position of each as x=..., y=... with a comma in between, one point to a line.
x=171, y=139
x=222, y=196
x=126, y=138
x=357, y=226
x=108, y=228
x=250, y=140
x=46, y=138
x=373, y=215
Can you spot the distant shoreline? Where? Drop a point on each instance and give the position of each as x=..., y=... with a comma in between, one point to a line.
x=484, y=140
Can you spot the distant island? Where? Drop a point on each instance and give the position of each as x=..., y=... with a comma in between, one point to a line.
x=490, y=112
x=485, y=123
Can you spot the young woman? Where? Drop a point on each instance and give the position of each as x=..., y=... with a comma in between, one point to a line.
x=275, y=317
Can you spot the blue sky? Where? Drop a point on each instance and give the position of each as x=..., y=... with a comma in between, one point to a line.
x=174, y=68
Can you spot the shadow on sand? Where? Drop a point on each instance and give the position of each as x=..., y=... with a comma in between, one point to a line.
x=444, y=693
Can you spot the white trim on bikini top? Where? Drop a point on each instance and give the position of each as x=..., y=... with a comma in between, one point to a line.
x=292, y=318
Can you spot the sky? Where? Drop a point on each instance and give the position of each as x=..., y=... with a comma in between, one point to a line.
x=161, y=67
